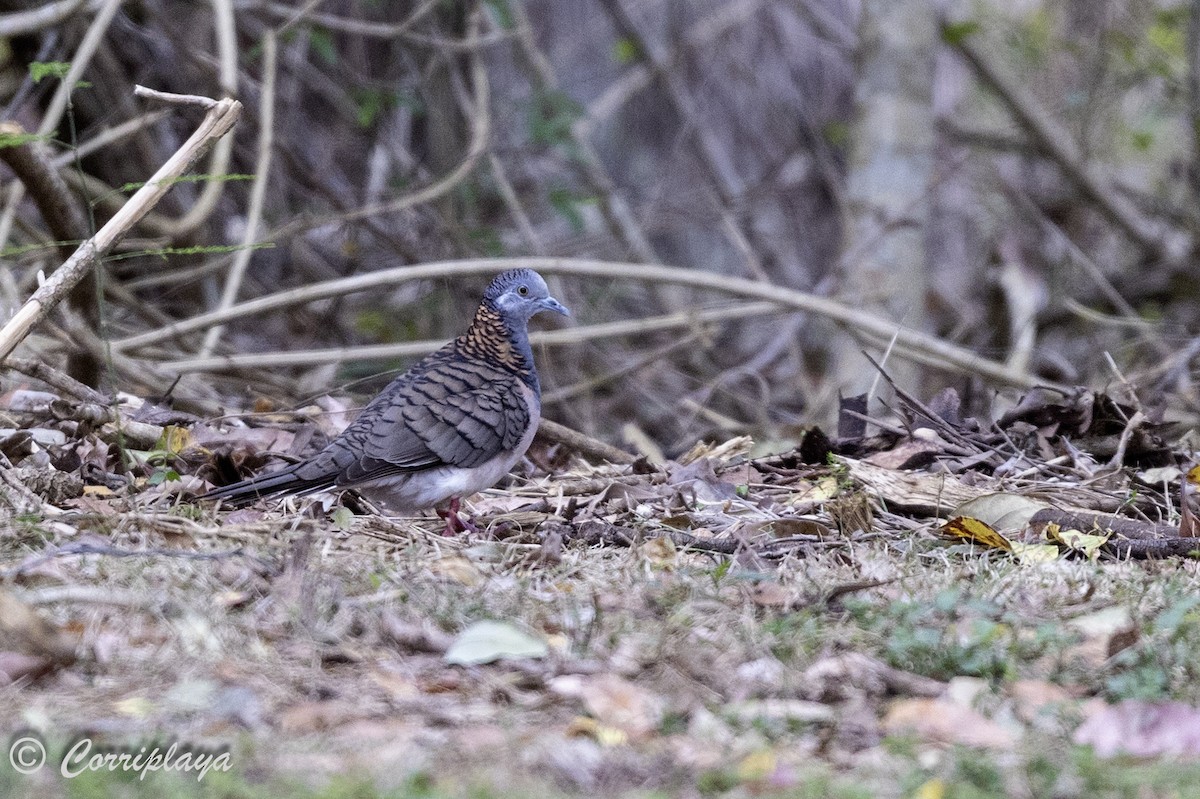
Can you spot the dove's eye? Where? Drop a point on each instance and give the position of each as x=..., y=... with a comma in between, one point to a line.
x=523, y=290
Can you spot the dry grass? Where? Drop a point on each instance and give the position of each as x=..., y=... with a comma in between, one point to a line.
x=314, y=643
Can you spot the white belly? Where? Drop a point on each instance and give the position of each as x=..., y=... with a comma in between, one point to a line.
x=407, y=493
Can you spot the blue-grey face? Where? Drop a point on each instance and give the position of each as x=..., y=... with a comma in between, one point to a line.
x=522, y=293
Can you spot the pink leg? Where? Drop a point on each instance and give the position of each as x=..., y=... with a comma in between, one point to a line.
x=454, y=524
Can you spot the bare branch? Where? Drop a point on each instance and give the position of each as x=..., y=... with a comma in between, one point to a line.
x=1058, y=145
x=386, y=352
x=217, y=123
x=258, y=191
x=909, y=342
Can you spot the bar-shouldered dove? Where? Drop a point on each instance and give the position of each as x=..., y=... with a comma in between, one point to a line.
x=452, y=425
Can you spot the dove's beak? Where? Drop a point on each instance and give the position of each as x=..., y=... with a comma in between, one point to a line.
x=551, y=304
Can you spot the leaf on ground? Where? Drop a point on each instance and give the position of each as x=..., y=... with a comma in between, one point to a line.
x=808, y=494
x=1034, y=553
x=26, y=631
x=1036, y=699
x=584, y=727
x=978, y=531
x=941, y=721
x=660, y=552
x=317, y=715
x=770, y=594
x=1142, y=729
x=618, y=703
x=489, y=641
x=757, y=766
x=931, y=789
x=1189, y=504
x=459, y=569
x=911, y=454
x=1105, y=632
x=1002, y=511
x=1077, y=540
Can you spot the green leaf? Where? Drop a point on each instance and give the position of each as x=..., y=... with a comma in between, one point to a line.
x=322, y=43
x=1167, y=34
x=162, y=475
x=17, y=139
x=957, y=32
x=48, y=69
x=626, y=51
x=343, y=519
x=501, y=14
x=721, y=570
x=489, y=641
x=551, y=117
x=567, y=203
x=371, y=103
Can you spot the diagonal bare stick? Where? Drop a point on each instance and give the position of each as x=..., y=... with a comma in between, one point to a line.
x=217, y=122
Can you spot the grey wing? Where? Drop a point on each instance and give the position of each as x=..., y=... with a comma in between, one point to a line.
x=452, y=413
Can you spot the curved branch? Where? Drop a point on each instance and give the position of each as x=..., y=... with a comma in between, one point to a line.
x=909, y=342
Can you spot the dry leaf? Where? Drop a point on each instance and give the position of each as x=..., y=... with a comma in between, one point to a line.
x=940, y=721
x=1001, y=511
x=489, y=641
x=1034, y=698
x=1189, y=504
x=1089, y=545
x=584, y=727
x=616, y=702
x=458, y=569
x=977, y=531
x=660, y=552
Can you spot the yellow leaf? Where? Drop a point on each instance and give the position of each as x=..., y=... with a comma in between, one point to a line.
x=135, y=706
x=1077, y=540
x=814, y=492
x=583, y=727
x=97, y=491
x=930, y=789
x=174, y=439
x=977, y=531
x=1034, y=553
x=757, y=766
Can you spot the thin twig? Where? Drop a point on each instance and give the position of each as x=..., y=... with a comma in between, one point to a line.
x=481, y=125
x=552, y=338
x=584, y=444
x=174, y=99
x=258, y=192
x=66, y=384
x=20, y=23
x=911, y=343
x=58, y=102
x=1059, y=146
x=216, y=124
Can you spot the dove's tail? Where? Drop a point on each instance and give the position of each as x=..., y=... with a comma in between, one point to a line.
x=284, y=481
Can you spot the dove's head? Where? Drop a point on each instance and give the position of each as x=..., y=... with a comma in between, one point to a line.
x=520, y=293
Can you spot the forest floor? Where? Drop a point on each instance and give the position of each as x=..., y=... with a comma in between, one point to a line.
x=874, y=616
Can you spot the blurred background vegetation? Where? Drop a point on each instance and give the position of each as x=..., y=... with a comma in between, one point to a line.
x=1018, y=178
